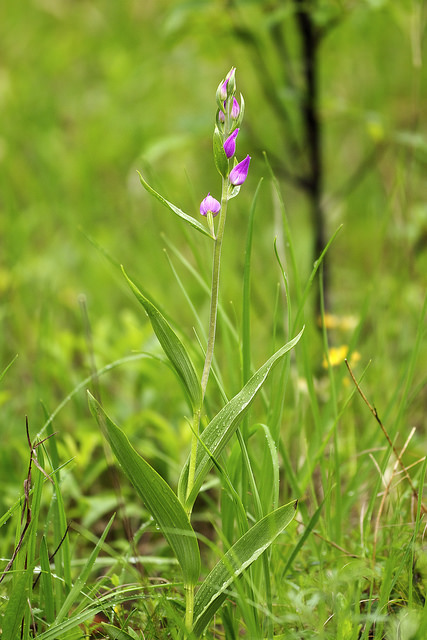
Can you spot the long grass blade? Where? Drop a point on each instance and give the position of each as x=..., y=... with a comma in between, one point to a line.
x=47, y=595
x=5, y=370
x=82, y=579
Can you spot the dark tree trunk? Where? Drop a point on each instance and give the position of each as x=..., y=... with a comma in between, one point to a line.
x=312, y=132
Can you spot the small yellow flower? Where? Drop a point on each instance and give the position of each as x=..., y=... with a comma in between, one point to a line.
x=337, y=355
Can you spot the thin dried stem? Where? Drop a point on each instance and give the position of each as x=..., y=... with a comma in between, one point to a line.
x=374, y=412
x=386, y=493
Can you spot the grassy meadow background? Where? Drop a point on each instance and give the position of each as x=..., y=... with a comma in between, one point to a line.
x=91, y=92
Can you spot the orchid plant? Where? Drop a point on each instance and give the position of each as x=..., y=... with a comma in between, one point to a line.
x=172, y=511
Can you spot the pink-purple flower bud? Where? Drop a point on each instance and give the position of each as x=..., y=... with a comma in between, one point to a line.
x=209, y=204
x=240, y=172
x=230, y=144
x=235, y=109
x=223, y=91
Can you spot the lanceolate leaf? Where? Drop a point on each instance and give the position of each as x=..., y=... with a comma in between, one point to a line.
x=157, y=495
x=221, y=428
x=192, y=221
x=172, y=346
x=246, y=550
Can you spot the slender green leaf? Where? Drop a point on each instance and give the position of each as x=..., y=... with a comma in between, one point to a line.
x=171, y=345
x=286, y=228
x=272, y=466
x=82, y=579
x=159, y=498
x=310, y=280
x=9, y=513
x=243, y=553
x=219, y=431
x=192, y=221
x=82, y=385
x=3, y=373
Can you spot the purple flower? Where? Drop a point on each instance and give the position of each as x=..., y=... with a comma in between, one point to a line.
x=230, y=144
x=209, y=204
x=240, y=172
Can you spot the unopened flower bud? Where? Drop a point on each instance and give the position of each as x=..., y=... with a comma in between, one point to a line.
x=240, y=172
x=209, y=205
x=222, y=91
x=235, y=109
x=230, y=144
x=230, y=80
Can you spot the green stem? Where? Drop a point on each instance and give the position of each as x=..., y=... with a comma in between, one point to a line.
x=211, y=334
x=215, y=287
x=189, y=606
x=193, y=453
x=216, y=267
